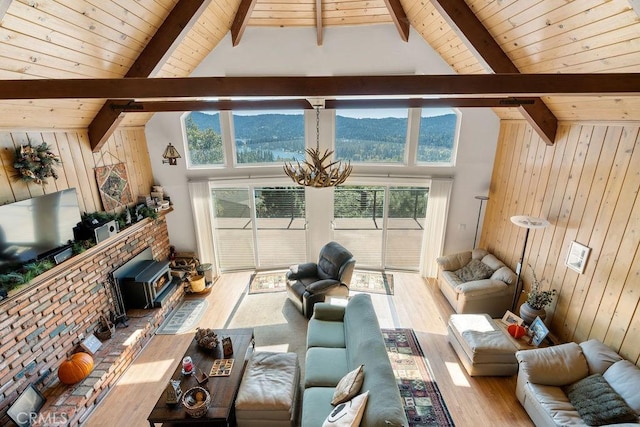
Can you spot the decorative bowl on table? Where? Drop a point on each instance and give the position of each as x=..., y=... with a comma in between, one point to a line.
x=196, y=401
x=206, y=338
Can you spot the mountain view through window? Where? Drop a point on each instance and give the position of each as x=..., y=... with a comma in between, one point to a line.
x=278, y=137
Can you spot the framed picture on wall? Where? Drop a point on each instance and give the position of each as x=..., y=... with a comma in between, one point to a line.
x=577, y=257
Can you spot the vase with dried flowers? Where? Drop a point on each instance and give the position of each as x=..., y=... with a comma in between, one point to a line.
x=537, y=300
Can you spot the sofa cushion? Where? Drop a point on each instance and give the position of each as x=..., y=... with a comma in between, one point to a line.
x=347, y=414
x=316, y=404
x=475, y=270
x=492, y=262
x=454, y=261
x=325, y=333
x=599, y=356
x=559, y=365
x=624, y=378
x=504, y=274
x=597, y=403
x=319, y=373
x=348, y=386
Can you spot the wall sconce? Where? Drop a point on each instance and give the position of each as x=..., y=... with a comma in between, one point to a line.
x=171, y=155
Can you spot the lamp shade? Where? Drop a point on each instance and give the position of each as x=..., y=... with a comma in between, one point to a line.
x=170, y=155
x=526, y=221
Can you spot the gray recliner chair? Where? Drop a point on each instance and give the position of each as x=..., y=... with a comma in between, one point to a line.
x=312, y=282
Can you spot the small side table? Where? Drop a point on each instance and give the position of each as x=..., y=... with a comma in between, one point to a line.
x=520, y=343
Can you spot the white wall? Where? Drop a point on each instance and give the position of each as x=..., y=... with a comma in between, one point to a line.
x=361, y=50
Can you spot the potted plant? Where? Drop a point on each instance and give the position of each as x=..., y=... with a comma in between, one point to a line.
x=537, y=300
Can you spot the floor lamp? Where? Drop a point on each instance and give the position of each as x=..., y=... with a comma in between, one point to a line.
x=475, y=237
x=528, y=223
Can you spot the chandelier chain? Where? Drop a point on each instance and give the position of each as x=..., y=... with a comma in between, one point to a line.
x=319, y=171
x=318, y=128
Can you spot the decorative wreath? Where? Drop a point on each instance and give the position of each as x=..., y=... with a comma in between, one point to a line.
x=35, y=164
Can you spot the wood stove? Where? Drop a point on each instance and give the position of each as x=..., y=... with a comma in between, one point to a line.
x=145, y=282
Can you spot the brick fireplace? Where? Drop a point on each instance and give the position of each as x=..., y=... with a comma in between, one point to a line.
x=42, y=325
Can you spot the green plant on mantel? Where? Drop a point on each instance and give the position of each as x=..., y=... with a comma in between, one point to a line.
x=35, y=163
x=24, y=274
x=19, y=275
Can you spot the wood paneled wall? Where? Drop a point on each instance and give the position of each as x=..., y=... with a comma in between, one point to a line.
x=587, y=186
x=127, y=145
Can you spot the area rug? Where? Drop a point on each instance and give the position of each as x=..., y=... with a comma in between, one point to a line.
x=373, y=282
x=267, y=281
x=362, y=281
x=183, y=318
x=422, y=400
x=277, y=324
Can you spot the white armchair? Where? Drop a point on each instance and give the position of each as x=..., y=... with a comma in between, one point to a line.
x=476, y=282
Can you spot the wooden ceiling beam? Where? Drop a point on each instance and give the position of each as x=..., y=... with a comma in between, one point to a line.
x=241, y=20
x=462, y=19
x=399, y=18
x=303, y=104
x=468, y=85
x=154, y=55
x=319, y=24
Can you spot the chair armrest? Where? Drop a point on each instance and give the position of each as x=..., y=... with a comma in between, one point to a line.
x=300, y=271
x=558, y=366
x=330, y=312
x=454, y=261
x=322, y=285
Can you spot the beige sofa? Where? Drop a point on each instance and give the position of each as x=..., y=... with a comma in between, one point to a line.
x=547, y=375
x=476, y=282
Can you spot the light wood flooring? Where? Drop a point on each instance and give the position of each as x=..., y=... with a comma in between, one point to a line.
x=417, y=304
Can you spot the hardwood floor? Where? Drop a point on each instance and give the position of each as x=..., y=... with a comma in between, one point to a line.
x=417, y=304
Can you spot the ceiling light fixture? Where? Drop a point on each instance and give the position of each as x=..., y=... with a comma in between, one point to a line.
x=171, y=155
x=314, y=172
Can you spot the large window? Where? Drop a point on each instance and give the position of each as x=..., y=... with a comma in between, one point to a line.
x=381, y=225
x=204, y=139
x=267, y=137
x=436, y=140
x=372, y=135
x=411, y=137
x=259, y=227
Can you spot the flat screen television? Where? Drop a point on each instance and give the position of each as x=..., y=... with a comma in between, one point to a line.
x=35, y=228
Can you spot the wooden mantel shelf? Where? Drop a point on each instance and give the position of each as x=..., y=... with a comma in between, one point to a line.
x=77, y=260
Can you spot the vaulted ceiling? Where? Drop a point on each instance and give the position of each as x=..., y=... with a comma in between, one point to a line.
x=112, y=39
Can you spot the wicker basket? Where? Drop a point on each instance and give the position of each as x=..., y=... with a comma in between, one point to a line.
x=193, y=407
x=105, y=329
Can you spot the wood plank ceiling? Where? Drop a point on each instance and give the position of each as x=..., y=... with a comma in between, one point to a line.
x=102, y=39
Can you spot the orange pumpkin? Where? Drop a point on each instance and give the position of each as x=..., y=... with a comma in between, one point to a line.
x=516, y=331
x=76, y=368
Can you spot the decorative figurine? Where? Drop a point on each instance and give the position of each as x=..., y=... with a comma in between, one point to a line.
x=173, y=392
x=227, y=347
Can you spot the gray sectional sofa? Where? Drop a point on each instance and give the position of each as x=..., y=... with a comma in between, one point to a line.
x=339, y=339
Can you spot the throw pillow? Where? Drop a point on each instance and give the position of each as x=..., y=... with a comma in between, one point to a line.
x=349, y=413
x=475, y=270
x=348, y=386
x=597, y=403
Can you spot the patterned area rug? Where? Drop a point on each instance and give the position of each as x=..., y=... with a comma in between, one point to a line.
x=362, y=281
x=183, y=318
x=267, y=281
x=423, y=402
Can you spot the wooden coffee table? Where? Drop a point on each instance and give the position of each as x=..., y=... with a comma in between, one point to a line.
x=223, y=389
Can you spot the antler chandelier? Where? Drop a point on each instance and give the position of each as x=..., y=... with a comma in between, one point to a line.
x=314, y=172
